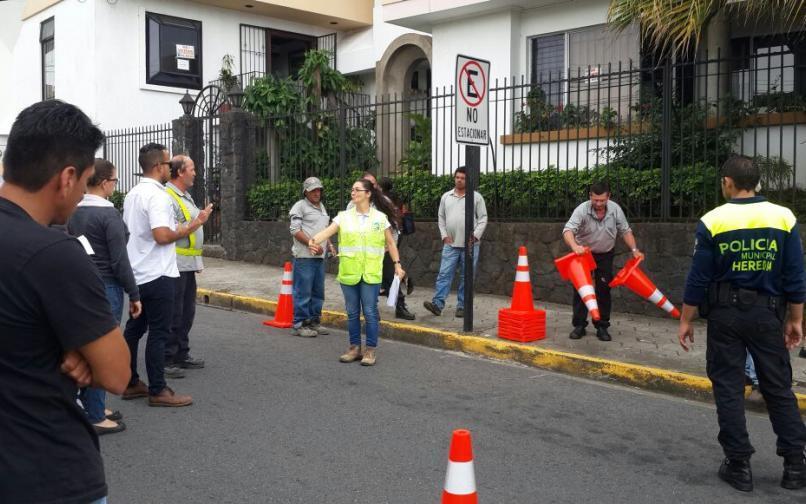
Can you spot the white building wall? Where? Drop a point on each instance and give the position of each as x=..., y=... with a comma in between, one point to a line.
x=10, y=26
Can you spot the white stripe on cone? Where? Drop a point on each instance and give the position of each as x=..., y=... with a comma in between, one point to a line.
x=669, y=307
x=523, y=261
x=656, y=297
x=286, y=290
x=586, y=290
x=460, y=478
x=591, y=304
x=521, y=276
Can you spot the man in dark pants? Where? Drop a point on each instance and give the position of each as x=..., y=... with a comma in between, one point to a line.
x=148, y=213
x=595, y=224
x=188, y=262
x=747, y=267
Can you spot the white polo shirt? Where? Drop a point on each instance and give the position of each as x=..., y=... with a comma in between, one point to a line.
x=146, y=207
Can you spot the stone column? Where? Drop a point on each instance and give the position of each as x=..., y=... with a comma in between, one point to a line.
x=188, y=132
x=237, y=152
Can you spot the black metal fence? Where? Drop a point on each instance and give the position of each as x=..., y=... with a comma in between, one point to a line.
x=657, y=133
x=122, y=147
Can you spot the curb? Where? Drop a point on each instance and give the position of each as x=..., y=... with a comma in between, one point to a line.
x=645, y=377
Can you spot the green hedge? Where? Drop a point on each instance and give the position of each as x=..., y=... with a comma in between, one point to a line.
x=544, y=195
x=517, y=195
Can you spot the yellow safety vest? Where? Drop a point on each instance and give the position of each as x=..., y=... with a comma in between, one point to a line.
x=361, y=248
x=192, y=250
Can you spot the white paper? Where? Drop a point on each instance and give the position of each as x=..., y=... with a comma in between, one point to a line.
x=393, y=292
x=182, y=64
x=86, y=244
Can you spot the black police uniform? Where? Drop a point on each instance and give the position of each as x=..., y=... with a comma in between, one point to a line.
x=747, y=265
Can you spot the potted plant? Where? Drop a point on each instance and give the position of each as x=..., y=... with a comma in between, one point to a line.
x=227, y=78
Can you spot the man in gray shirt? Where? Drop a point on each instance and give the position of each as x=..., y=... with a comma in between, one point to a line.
x=595, y=224
x=308, y=217
x=452, y=231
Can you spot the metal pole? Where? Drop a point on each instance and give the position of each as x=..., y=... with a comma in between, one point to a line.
x=472, y=164
x=666, y=143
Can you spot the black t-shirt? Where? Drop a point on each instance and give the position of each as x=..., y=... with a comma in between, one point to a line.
x=52, y=299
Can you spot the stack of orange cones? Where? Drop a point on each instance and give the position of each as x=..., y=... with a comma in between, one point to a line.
x=521, y=322
x=284, y=315
x=636, y=280
x=577, y=269
x=460, y=480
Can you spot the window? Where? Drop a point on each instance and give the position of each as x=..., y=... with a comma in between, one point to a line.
x=280, y=53
x=173, y=51
x=769, y=65
x=46, y=41
x=548, y=66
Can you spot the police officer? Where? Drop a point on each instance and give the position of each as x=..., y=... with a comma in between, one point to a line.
x=747, y=267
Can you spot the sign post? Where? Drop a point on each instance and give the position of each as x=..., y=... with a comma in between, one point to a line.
x=472, y=112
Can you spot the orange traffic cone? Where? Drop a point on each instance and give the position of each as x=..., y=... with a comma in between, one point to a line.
x=577, y=269
x=521, y=322
x=636, y=280
x=284, y=315
x=460, y=480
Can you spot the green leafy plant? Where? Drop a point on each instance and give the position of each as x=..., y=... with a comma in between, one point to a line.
x=117, y=200
x=776, y=173
x=225, y=75
x=273, y=99
x=418, y=152
x=319, y=78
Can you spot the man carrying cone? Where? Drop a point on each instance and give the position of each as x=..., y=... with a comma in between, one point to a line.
x=595, y=224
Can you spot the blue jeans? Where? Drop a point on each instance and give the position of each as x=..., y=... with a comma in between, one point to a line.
x=94, y=399
x=453, y=257
x=157, y=297
x=309, y=290
x=750, y=369
x=358, y=298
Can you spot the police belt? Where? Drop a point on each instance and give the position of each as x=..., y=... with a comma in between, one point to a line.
x=725, y=294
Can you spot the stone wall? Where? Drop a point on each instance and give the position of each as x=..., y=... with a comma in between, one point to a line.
x=668, y=248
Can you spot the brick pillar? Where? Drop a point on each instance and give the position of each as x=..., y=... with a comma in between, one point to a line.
x=188, y=132
x=237, y=153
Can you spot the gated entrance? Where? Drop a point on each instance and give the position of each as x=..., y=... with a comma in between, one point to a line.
x=210, y=103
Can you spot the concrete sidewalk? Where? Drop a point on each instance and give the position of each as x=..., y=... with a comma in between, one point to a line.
x=644, y=345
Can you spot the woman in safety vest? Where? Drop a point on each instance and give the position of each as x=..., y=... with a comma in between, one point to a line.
x=364, y=231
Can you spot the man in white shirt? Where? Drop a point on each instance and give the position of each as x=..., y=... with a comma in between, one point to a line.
x=148, y=213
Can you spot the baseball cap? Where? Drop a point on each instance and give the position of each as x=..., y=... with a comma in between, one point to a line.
x=312, y=183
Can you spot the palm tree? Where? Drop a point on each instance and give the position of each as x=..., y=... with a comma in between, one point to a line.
x=676, y=27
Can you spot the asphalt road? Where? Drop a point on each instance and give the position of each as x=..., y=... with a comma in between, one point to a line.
x=277, y=419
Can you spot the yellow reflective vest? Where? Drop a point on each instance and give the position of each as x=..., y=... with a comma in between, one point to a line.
x=361, y=246
x=191, y=250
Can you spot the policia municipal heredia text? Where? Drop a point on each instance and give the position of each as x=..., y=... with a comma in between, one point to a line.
x=747, y=268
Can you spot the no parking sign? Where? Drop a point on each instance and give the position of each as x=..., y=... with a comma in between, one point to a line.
x=472, y=100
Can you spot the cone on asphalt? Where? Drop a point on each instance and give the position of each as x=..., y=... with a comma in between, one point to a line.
x=460, y=479
x=577, y=269
x=284, y=315
x=636, y=280
x=521, y=322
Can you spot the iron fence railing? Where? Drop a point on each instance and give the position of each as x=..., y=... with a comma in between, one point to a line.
x=122, y=148
x=658, y=134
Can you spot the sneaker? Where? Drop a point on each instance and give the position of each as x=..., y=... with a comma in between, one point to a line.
x=577, y=333
x=139, y=389
x=402, y=312
x=460, y=313
x=794, y=473
x=428, y=305
x=321, y=331
x=169, y=398
x=174, y=372
x=353, y=354
x=602, y=334
x=114, y=415
x=802, y=353
x=304, y=332
x=369, y=357
x=737, y=473
x=190, y=363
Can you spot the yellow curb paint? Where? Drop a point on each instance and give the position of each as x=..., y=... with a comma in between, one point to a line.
x=644, y=377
